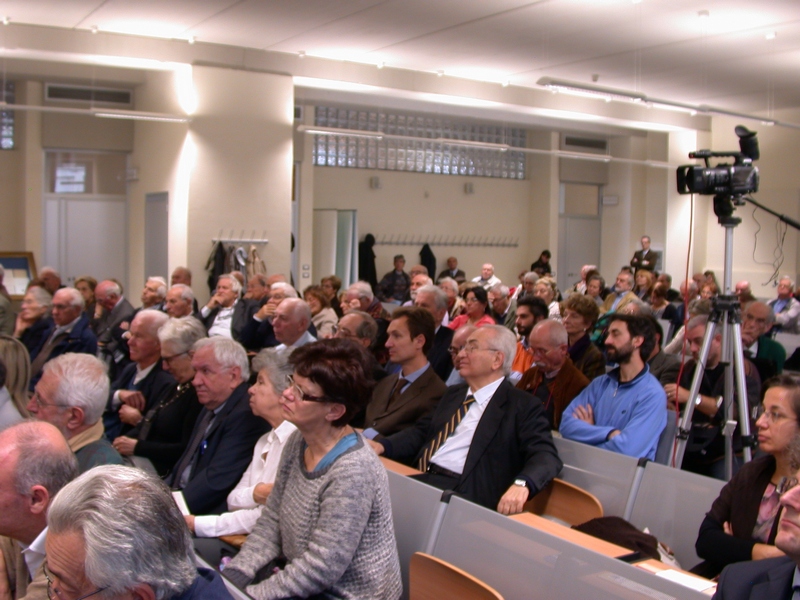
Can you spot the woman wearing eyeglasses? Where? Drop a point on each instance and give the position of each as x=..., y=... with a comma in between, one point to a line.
x=743, y=520
x=476, y=310
x=327, y=525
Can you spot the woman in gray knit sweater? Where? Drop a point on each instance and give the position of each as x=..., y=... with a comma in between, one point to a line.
x=326, y=530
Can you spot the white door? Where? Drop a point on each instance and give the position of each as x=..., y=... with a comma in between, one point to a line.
x=579, y=229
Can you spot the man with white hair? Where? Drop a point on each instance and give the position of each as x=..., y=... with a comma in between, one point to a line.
x=359, y=296
x=154, y=292
x=116, y=310
x=224, y=434
x=417, y=281
x=37, y=463
x=143, y=383
x=117, y=531
x=451, y=445
x=434, y=300
x=623, y=295
x=51, y=279
x=291, y=321
x=179, y=302
x=455, y=303
x=786, y=307
x=504, y=309
x=226, y=313
x=487, y=279
x=260, y=329
x=71, y=395
x=68, y=332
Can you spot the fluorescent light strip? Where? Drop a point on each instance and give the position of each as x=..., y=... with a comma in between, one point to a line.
x=608, y=94
x=94, y=112
x=380, y=135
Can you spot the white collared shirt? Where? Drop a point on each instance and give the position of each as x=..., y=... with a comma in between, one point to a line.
x=452, y=455
x=34, y=553
x=262, y=469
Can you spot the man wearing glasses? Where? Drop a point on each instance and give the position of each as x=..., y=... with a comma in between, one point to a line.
x=117, y=531
x=37, y=463
x=71, y=395
x=485, y=439
x=225, y=433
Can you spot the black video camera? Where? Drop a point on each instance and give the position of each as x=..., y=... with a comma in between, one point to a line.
x=734, y=180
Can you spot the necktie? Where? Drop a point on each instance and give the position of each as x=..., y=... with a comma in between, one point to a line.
x=396, y=391
x=445, y=432
x=191, y=449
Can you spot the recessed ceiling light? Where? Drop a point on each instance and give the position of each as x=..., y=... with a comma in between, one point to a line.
x=301, y=54
x=192, y=39
x=771, y=35
x=381, y=65
x=703, y=14
x=6, y=20
x=94, y=29
x=506, y=82
x=440, y=73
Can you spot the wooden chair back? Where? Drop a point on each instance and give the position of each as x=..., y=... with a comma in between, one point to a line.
x=566, y=502
x=433, y=579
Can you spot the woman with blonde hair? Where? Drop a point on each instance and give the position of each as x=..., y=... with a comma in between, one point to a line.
x=14, y=357
x=547, y=289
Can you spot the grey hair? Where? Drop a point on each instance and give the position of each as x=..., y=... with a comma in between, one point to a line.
x=162, y=285
x=288, y=290
x=182, y=333
x=501, y=289
x=299, y=308
x=428, y=280
x=186, y=292
x=236, y=286
x=153, y=320
x=449, y=282
x=133, y=532
x=75, y=297
x=41, y=295
x=227, y=353
x=363, y=290
x=556, y=332
x=82, y=383
x=39, y=461
x=502, y=340
x=51, y=270
x=277, y=367
x=439, y=295
x=642, y=307
x=112, y=287
x=368, y=328
x=696, y=321
x=531, y=277
x=787, y=278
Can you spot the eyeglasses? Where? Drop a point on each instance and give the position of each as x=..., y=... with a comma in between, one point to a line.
x=786, y=484
x=53, y=594
x=455, y=349
x=771, y=416
x=301, y=394
x=41, y=403
x=342, y=332
x=473, y=347
x=169, y=359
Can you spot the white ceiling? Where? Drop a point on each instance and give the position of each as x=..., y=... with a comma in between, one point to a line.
x=659, y=47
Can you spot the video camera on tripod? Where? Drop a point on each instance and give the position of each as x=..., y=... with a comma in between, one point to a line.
x=734, y=180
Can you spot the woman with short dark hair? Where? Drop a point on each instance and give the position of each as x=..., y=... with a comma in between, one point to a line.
x=327, y=525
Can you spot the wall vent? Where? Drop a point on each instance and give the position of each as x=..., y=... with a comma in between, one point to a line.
x=56, y=92
x=583, y=144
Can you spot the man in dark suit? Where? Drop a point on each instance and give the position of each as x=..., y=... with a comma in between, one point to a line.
x=772, y=578
x=143, y=383
x=116, y=310
x=644, y=258
x=452, y=271
x=434, y=299
x=485, y=439
x=69, y=331
x=225, y=433
x=226, y=313
x=402, y=398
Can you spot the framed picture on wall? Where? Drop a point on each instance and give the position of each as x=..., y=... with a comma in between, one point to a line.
x=20, y=268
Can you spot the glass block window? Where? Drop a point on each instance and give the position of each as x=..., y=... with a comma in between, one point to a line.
x=416, y=154
x=7, y=119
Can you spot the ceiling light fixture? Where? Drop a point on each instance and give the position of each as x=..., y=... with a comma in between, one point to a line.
x=6, y=20
x=301, y=54
x=771, y=35
x=94, y=29
x=381, y=65
x=376, y=135
x=103, y=113
x=192, y=39
x=703, y=14
x=440, y=73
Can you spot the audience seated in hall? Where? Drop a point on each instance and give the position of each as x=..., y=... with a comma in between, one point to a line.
x=530, y=310
x=547, y=290
x=504, y=308
x=455, y=303
x=291, y=322
x=452, y=271
x=786, y=307
x=434, y=300
x=476, y=310
x=622, y=294
x=664, y=367
x=259, y=331
x=580, y=316
x=767, y=354
x=460, y=338
x=179, y=302
x=393, y=287
x=115, y=310
x=226, y=313
x=33, y=320
x=487, y=279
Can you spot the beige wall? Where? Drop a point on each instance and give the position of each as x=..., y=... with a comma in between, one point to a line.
x=417, y=205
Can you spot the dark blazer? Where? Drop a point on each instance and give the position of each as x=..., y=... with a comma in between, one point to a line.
x=228, y=451
x=768, y=579
x=109, y=337
x=35, y=336
x=419, y=399
x=512, y=440
x=439, y=354
x=243, y=312
x=170, y=429
x=154, y=388
x=647, y=261
x=81, y=340
x=460, y=276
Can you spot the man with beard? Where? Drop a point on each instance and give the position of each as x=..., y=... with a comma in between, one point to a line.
x=530, y=310
x=625, y=410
